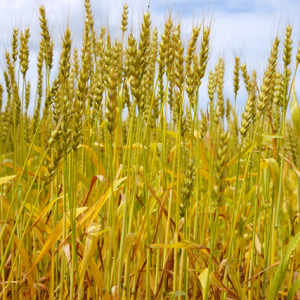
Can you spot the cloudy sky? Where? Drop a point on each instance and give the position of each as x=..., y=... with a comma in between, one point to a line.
x=246, y=28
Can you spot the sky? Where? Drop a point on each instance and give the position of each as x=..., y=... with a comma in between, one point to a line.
x=244, y=28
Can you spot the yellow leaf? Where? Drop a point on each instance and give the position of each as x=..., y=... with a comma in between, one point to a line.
x=274, y=168
x=261, y=139
x=40, y=215
x=206, y=176
x=106, y=296
x=53, y=237
x=203, y=280
x=82, y=178
x=6, y=178
x=214, y=281
x=222, y=264
x=39, y=237
x=135, y=146
x=235, y=280
x=102, y=124
x=140, y=233
x=25, y=261
x=240, y=177
x=67, y=250
x=170, y=133
x=127, y=245
x=285, y=171
x=94, y=158
x=263, y=165
x=172, y=153
x=38, y=149
x=97, y=275
x=31, y=208
x=185, y=244
x=203, y=155
x=257, y=244
x=93, y=233
x=5, y=203
x=153, y=146
x=295, y=113
x=94, y=210
x=66, y=290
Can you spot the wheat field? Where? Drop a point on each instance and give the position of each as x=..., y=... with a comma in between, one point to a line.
x=118, y=186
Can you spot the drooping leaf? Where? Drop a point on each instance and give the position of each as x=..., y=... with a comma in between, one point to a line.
x=42, y=214
x=93, y=212
x=53, y=237
x=93, y=234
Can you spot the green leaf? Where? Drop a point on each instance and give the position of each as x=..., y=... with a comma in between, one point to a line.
x=176, y=294
x=281, y=270
x=35, y=186
x=293, y=289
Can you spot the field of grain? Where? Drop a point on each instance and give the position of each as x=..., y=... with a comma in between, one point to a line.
x=118, y=186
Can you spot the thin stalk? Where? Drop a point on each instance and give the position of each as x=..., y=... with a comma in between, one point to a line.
x=177, y=199
x=19, y=180
x=20, y=212
x=108, y=271
x=62, y=266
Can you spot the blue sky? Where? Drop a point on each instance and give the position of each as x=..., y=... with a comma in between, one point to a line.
x=246, y=28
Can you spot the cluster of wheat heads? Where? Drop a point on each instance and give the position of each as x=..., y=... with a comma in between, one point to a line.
x=162, y=201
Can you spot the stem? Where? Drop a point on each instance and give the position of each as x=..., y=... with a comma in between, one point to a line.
x=20, y=213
